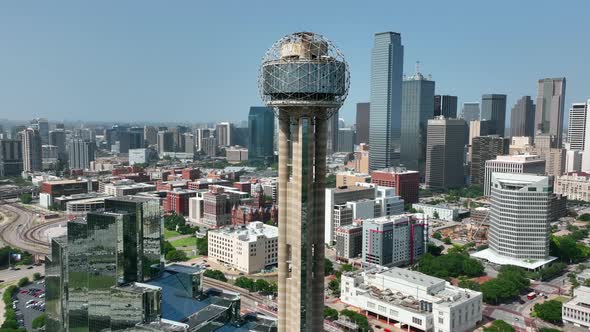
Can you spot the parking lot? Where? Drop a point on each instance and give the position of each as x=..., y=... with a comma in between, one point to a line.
x=33, y=297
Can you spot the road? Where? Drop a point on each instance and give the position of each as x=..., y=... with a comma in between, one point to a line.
x=11, y=277
x=250, y=302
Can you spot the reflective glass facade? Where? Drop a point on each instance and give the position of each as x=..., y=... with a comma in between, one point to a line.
x=493, y=108
x=77, y=284
x=261, y=123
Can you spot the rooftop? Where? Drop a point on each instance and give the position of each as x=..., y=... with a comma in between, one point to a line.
x=519, y=158
x=249, y=232
x=492, y=256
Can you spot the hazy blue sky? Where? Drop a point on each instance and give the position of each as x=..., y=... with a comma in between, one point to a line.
x=195, y=61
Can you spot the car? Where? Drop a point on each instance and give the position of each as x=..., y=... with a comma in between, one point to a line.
x=24, y=291
x=42, y=295
x=29, y=268
x=521, y=301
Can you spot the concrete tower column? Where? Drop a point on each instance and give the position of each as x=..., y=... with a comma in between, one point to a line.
x=283, y=265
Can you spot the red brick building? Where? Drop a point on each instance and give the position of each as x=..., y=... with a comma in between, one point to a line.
x=243, y=186
x=245, y=214
x=191, y=174
x=171, y=185
x=68, y=187
x=406, y=183
x=177, y=201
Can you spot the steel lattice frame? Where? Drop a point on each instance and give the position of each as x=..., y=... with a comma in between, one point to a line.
x=304, y=70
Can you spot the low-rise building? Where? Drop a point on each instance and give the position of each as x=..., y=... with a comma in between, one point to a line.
x=248, y=248
x=412, y=300
x=351, y=178
x=126, y=188
x=442, y=212
x=575, y=185
x=577, y=310
x=349, y=242
x=236, y=154
x=177, y=201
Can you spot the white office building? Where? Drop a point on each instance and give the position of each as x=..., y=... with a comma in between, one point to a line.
x=575, y=185
x=127, y=187
x=520, y=220
x=518, y=164
x=577, y=310
x=412, y=299
x=250, y=248
x=444, y=212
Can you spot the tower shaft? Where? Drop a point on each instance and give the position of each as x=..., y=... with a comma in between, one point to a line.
x=302, y=181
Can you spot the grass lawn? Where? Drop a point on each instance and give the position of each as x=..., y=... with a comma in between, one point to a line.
x=561, y=299
x=168, y=234
x=188, y=241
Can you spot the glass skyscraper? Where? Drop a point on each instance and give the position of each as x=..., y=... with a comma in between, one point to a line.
x=550, y=107
x=261, y=127
x=386, y=94
x=493, y=108
x=417, y=109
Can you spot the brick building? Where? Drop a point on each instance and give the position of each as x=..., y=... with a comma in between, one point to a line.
x=406, y=183
x=177, y=201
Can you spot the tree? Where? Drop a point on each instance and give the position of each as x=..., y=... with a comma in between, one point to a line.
x=26, y=198
x=347, y=268
x=23, y=282
x=499, y=326
x=262, y=286
x=328, y=266
x=202, y=245
x=39, y=321
x=176, y=256
x=172, y=221
x=167, y=247
x=450, y=265
x=331, y=181
x=434, y=250
x=511, y=281
x=469, y=284
x=37, y=276
x=549, y=311
x=447, y=240
x=359, y=319
x=334, y=286
x=435, y=215
x=215, y=274
x=584, y=217
x=246, y=283
x=330, y=313
x=437, y=235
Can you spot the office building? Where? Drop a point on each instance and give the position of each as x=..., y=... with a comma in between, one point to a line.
x=578, y=130
x=493, y=109
x=346, y=179
x=49, y=156
x=81, y=153
x=150, y=135
x=573, y=161
x=236, y=154
x=346, y=140
x=209, y=146
x=127, y=187
x=393, y=241
x=577, y=310
x=32, y=157
x=223, y=133
x=445, y=153
x=550, y=107
x=332, y=137
x=349, y=242
x=361, y=159
x=203, y=133
x=440, y=212
x=142, y=156
x=362, y=123
x=57, y=138
x=516, y=164
x=189, y=143
x=574, y=185
x=412, y=300
x=338, y=197
x=522, y=118
x=41, y=125
x=485, y=148
x=405, y=182
x=261, y=127
x=446, y=106
x=11, y=157
x=165, y=142
x=249, y=248
x=470, y=112
x=387, y=62
x=520, y=220
x=177, y=201
x=417, y=109
x=304, y=110
x=477, y=128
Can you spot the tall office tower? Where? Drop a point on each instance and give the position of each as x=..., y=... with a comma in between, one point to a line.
x=493, y=108
x=177, y=137
x=223, y=132
x=332, y=136
x=42, y=125
x=306, y=79
x=520, y=216
x=32, y=159
x=261, y=127
x=165, y=141
x=518, y=164
x=240, y=135
x=345, y=140
x=387, y=65
x=81, y=153
x=477, y=128
x=57, y=138
x=485, y=148
x=417, y=109
x=203, y=133
x=150, y=135
x=189, y=142
x=445, y=153
x=362, y=122
x=470, y=112
x=522, y=118
x=136, y=139
x=578, y=129
x=11, y=157
x=446, y=106
x=550, y=107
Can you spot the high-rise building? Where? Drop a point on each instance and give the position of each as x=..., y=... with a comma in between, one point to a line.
x=346, y=140
x=486, y=148
x=387, y=65
x=32, y=158
x=209, y=146
x=165, y=142
x=417, y=109
x=550, y=107
x=477, y=128
x=520, y=220
x=573, y=161
x=339, y=196
x=323, y=81
x=57, y=138
x=223, y=133
x=578, y=129
x=203, y=133
x=189, y=142
x=470, y=112
x=518, y=164
x=11, y=157
x=42, y=125
x=81, y=153
x=493, y=108
x=349, y=241
x=445, y=153
x=362, y=122
x=261, y=127
x=522, y=118
x=332, y=137
x=405, y=182
x=150, y=135
x=446, y=106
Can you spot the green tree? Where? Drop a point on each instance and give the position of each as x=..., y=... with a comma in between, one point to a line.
x=26, y=198
x=437, y=235
x=37, y=276
x=330, y=313
x=435, y=215
x=469, y=284
x=23, y=282
x=447, y=240
x=549, y=311
x=331, y=181
x=202, y=245
x=434, y=250
x=262, y=286
x=499, y=326
x=328, y=267
x=215, y=274
x=39, y=321
x=347, y=268
x=167, y=247
x=246, y=283
x=176, y=256
x=334, y=286
x=584, y=217
x=359, y=319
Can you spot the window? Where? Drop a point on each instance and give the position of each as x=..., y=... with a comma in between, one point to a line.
x=416, y=320
x=441, y=320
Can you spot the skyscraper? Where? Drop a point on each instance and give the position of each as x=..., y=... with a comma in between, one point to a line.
x=345, y=140
x=493, y=108
x=42, y=125
x=446, y=106
x=11, y=157
x=445, y=153
x=261, y=127
x=362, y=122
x=223, y=132
x=387, y=65
x=417, y=109
x=470, y=112
x=522, y=118
x=57, y=138
x=304, y=109
x=165, y=141
x=550, y=107
x=578, y=132
x=32, y=157
x=333, y=126
x=81, y=152
x=485, y=148
x=150, y=135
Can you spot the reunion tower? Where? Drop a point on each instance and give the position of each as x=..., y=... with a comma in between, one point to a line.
x=305, y=79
